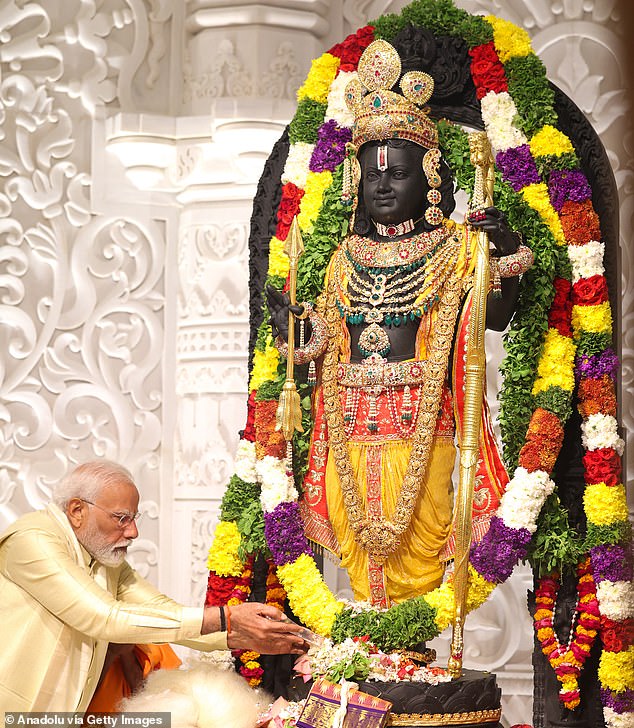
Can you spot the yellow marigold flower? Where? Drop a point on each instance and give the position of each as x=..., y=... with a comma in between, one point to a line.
x=605, y=504
x=616, y=670
x=322, y=73
x=441, y=599
x=278, y=260
x=309, y=597
x=536, y=195
x=549, y=140
x=479, y=590
x=597, y=319
x=264, y=366
x=556, y=365
x=251, y=665
x=510, y=40
x=223, y=555
x=568, y=682
x=310, y=205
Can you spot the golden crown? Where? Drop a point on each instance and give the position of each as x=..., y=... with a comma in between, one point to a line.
x=381, y=114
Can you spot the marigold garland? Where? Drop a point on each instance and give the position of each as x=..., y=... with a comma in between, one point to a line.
x=545, y=193
x=567, y=660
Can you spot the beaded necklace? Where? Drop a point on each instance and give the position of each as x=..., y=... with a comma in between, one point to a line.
x=393, y=294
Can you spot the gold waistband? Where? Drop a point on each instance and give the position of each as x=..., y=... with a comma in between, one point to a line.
x=386, y=374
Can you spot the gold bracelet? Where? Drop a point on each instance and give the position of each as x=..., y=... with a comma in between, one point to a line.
x=510, y=266
x=316, y=344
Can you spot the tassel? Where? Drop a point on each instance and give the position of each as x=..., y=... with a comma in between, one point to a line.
x=406, y=409
x=312, y=373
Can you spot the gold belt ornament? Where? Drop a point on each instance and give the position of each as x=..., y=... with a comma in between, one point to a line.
x=377, y=372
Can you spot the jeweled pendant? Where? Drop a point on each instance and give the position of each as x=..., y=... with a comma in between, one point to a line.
x=374, y=340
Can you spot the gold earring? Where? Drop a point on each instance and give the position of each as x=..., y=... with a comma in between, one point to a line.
x=431, y=165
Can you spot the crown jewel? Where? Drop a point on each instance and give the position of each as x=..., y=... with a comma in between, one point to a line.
x=381, y=114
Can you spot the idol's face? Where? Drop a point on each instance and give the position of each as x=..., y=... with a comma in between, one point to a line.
x=393, y=183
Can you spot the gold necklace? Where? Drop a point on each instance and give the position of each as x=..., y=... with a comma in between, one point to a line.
x=387, y=253
x=391, y=295
x=379, y=536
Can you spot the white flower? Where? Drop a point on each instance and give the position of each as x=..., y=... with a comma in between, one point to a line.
x=337, y=108
x=245, y=461
x=601, y=431
x=499, y=113
x=586, y=260
x=296, y=169
x=617, y=720
x=616, y=599
x=277, y=485
x=524, y=498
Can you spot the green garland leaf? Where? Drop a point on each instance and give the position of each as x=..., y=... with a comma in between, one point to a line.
x=555, y=545
x=306, y=122
x=556, y=400
x=251, y=528
x=531, y=92
x=441, y=17
x=237, y=497
x=404, y=625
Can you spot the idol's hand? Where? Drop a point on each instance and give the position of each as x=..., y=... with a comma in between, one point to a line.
x=493, y=222
x=279, y=306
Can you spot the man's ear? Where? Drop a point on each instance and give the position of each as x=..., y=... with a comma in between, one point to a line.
x=75, y=512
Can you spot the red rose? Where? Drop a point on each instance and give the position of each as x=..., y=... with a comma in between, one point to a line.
x=602, y=466
x=560, y=320
x=219, y=589
x=617, y=633
x=352, y=47
x=590, y=291
x=486, y=70
x=611, y=639
x=289, y=207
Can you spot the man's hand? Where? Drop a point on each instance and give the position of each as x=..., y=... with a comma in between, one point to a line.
x=264, y=629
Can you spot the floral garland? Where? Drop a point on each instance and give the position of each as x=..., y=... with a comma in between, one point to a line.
x=568, y=660
x=545, y=194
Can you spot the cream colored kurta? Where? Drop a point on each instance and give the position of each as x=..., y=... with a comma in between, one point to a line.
x=59, y=609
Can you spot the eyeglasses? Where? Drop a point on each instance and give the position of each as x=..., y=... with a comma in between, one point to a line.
x=123, y=519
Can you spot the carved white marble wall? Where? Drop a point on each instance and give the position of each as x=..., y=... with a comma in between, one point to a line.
x=132, y=134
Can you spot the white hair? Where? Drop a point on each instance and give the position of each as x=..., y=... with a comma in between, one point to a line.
x=86, y=481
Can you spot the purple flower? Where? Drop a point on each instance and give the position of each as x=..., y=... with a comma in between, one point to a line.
x=518, y=167
x=611, y=563
x=619, y=702
x=566, y=184
x=497, y=553
x=596, y=365
x=284, y=532
x=330, y=149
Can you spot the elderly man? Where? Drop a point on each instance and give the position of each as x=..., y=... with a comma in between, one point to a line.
x=66, y=591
